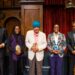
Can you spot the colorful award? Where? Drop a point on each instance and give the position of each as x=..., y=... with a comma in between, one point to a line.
x=55, y=47
x=18, y=50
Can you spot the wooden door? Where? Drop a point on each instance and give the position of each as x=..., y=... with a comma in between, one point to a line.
x=29, y=14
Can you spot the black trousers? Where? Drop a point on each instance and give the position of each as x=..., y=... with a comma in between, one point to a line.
x=15, y=67
x=71, y=64
x=1, y=63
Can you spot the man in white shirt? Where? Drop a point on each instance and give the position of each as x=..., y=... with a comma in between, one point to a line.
x=36, y=43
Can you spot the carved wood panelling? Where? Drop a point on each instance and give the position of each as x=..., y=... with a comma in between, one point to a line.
x=9, y=3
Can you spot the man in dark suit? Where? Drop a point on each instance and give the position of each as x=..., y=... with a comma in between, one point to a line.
x=2, y=47
x=71, y=49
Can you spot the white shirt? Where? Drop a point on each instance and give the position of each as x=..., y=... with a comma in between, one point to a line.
x=56, y=38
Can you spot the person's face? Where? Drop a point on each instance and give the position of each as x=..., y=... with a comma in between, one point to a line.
x=36, y=30
x=56, y=28
x=73, y=26
x=17, y=29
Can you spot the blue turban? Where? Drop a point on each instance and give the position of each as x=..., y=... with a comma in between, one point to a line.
x=36, y=24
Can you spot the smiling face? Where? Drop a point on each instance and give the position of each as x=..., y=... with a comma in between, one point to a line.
x=56, y=28
x=17, y=29
x=36, y=30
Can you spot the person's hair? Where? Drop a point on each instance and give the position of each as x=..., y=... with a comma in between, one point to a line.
x=55, y=24
x=73, y=22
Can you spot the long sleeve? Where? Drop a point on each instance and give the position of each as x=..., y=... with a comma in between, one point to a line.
x=5, y=37
x=69, y=43
x=43, y=45
x=27, y=42
x=63, y=43
x=23, y=44
x=49, y=43
x=9, y=41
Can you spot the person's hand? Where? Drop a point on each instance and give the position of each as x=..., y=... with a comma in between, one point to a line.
x=56, y=51
x=18, y=52
x=53, y=51
x=73, y=52
x=2, y=45
x=35, y=47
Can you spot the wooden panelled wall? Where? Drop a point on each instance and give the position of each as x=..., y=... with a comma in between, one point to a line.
x=10, y=14
x=9, y=18
x=9, y=3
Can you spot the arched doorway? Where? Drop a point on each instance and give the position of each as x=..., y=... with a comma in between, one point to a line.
x=10, y=23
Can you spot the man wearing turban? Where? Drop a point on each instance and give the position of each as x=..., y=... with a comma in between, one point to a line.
x=36, y=43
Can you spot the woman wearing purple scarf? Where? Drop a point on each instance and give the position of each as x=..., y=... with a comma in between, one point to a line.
x=16, y=48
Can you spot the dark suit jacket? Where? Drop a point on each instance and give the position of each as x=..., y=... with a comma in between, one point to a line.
x=3, y=36
x=70, y=41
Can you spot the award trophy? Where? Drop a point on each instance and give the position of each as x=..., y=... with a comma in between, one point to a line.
x=55, y=47
x=18, y=50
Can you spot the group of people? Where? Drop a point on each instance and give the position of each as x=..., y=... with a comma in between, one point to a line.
x=36, y=42
x=15, y=46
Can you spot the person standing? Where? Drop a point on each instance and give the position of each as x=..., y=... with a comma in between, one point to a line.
x=36, y=43
x=56, y=46
x=71, y=48
x=16, y=49
x=3, y=41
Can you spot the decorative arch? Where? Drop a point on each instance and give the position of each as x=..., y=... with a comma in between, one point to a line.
x=10, y=22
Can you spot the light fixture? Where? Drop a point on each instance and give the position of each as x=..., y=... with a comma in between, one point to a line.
x=69, y=4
